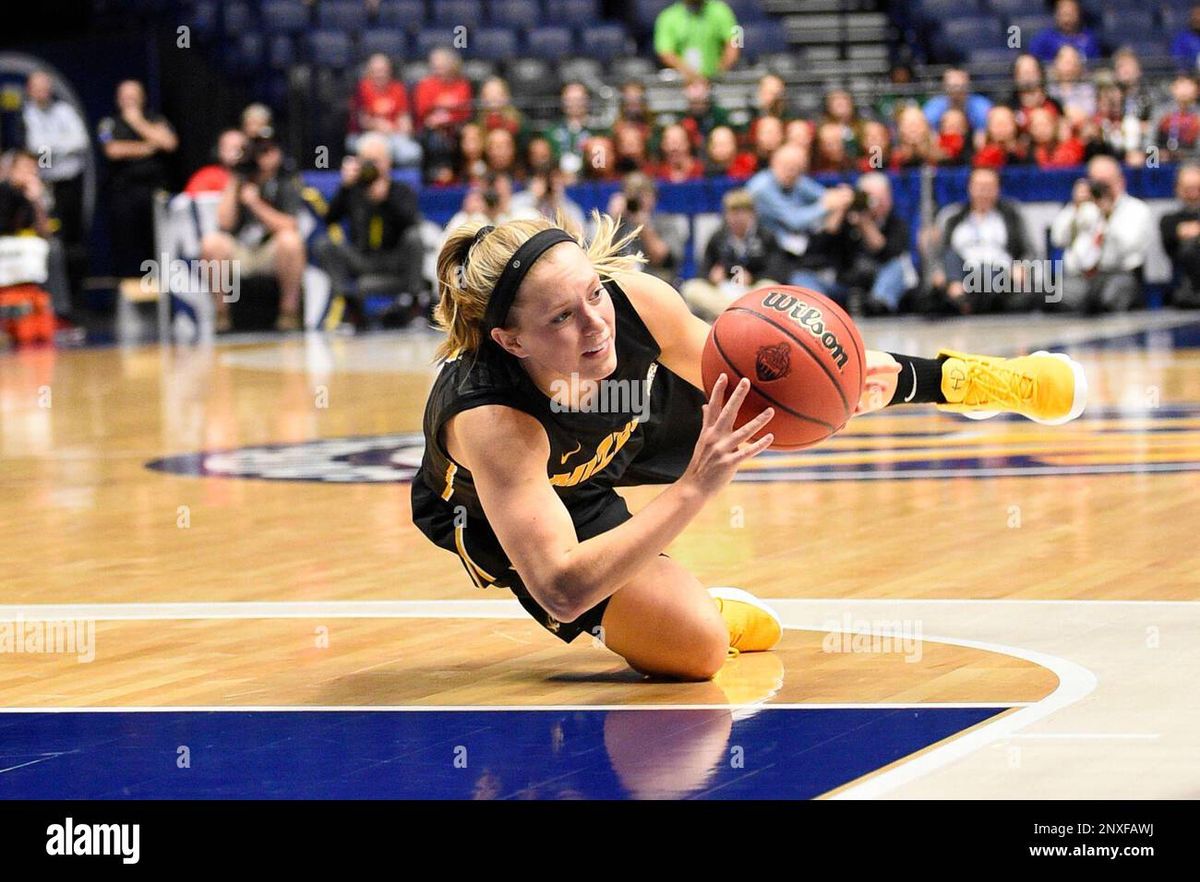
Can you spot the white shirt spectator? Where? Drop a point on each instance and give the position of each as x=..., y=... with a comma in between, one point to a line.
x=1095, y=243
x=58, y=134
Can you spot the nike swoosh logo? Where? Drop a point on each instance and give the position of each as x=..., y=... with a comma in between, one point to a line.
x=913, y=393
x=566, y=456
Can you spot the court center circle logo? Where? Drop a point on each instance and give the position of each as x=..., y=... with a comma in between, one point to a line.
x=1107, y=440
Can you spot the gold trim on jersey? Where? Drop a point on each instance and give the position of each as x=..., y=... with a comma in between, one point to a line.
x=605, y=451
x=477, y=573
x=451, y=468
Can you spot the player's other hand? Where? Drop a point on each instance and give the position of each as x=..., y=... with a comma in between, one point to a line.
x=719, y=449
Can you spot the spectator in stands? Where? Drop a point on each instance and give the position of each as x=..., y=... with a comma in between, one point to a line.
x=488, y=201
x=696, y=38
x=1070, y=86
x=915, y=144
x=866, y=242
x=768, y=137
x=1029, y=92
x=901, y=92
x=723, y=157
x=1111, y=131
x=662, y=237
x=1178, y=129
x=1137, y=97
x=54, y=130
x=547, y=196
x=795, y=208
x=134, y=143
x=739, y=256
x=633, y=110
x=380, y=104
x=1180, y=231
x=800, y=132
x=1003, y=144
x=600, y=159
x=500, y=153
x=1053, y=145
x=1185, y=48
x=877, y=147
x=954, y=142
x=257, y=122
x=956, y=92
x=976, y=240
x=441, y=105
x=496, y=110
x=829, y=154
x=1068, y=30
x=539, y=155
x=677, y=164
x=770, y=99
x=702, y=115
x=1106, y=234
x=630, y=146
x=24, y=211
x=258, y=216
x=472, y=164
x=840, y=110
x=568, y=135
x=214, y=177
x=382, y=220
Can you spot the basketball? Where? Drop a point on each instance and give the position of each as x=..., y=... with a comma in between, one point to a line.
x=802, y=354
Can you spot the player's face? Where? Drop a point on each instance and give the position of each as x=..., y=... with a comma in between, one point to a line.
x=566, y=323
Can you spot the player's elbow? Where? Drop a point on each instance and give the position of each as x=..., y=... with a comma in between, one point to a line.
x=562, y=597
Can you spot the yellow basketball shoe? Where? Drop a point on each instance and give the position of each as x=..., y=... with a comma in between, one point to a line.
x=753, y=626
x=1046, y=387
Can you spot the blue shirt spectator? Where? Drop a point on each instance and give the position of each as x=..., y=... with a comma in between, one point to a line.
x=1068, y=30
x=1185, y=48
x=956, y=92
x=788, y=203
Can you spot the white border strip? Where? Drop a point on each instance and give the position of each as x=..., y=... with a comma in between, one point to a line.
x=382, y=708
x=1074, y=683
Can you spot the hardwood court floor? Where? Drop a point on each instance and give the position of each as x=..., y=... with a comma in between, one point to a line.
x=982, y=531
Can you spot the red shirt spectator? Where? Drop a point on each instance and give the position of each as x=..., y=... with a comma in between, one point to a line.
x=677, y=164
x=443, y=99
x=214, y=178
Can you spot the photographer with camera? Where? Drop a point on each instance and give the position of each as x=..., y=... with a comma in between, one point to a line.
x=867, y=244
x=382, y=219
x=1105, y=234
x=259, y=219
x=547, y=196
x=662, y=237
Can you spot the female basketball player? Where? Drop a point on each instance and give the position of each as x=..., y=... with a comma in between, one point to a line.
x=520, y=465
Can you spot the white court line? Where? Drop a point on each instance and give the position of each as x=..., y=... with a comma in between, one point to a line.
x=1089, y=736
x=1075, y=681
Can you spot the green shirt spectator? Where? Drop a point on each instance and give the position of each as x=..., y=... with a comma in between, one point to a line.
x=696, y=38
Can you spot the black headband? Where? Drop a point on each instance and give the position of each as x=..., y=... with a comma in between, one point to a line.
x=514, y=272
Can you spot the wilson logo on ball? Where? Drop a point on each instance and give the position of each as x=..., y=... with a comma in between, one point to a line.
x=811, y=319
x=772, y=362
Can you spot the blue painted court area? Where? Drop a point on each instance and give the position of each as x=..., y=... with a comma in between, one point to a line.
x=464, y=754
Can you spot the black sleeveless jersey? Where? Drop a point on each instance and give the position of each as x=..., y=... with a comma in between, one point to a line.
x=640, y=428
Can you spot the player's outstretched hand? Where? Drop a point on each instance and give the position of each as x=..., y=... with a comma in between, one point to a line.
x=721, y=448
